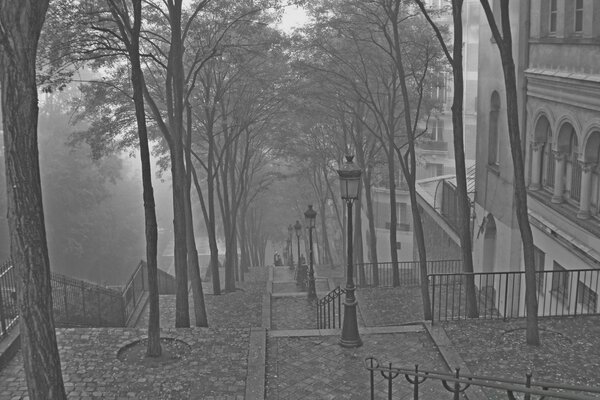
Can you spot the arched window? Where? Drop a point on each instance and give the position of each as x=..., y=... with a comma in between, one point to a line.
x=567, y=145
x=573, y=170
x=592, y=155
x=493, y=145
x=543, y=134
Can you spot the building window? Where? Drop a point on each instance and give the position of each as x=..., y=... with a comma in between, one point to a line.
x=539, y=259
x=592, y=155
x=437, y=130
x=572, y=168
x=578, y=17
x=548, y=164
x=403, y=213
x=493, y=145
x=560, y=282
x=398, y=246
x=587, y=297
x=553, y=17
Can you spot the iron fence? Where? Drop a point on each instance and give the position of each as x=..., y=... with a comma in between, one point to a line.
x=560, y=292
x=136, y=287
x=9, y=313
x=457, y=384
x=382, y=274
x=329, y=310
x=79, y=303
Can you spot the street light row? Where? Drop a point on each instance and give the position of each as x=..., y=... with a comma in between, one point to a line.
x=349, y=176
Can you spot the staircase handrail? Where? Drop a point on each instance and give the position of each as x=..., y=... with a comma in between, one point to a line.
x=326, y=315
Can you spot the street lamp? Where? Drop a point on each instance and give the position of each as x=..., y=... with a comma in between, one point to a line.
x=290, y=233
x=350, y=186
x=310, y=216
x=298, y=229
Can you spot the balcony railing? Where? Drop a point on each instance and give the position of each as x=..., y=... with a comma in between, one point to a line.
x=432, y=145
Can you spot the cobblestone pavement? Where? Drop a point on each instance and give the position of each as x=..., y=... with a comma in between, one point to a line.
x=293, y=313
x=215, y=367
x=569, y=352
x=319, y=368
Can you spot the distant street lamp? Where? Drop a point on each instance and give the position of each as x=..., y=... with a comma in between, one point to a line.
x=290, y=233
x=298, y=229
x=350, y=186
x=310, y=216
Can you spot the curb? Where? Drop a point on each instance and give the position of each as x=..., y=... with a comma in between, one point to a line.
x=255, y=380
x=451, y=358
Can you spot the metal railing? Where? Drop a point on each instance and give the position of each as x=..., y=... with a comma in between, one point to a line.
x=79, y=303
x=501, y=295
x=457, y=383
x=9, y=313
x=382, y=274
x=136, y=287
x=329, y=310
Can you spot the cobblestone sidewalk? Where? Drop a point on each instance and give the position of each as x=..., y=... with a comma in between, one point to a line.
x=318, y=367
x=215, y=367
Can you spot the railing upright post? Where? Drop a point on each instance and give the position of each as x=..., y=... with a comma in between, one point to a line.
x=432, y=299
x=2, y=317
x=65, y=299
x=457, y=386
x=83, y=299
x=577, y=293
x=390, y=386
x=372, y=380
x=99, y=301
x=505, y=296
x=527, y=385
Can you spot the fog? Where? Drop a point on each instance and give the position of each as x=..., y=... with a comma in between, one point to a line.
x=93, y=209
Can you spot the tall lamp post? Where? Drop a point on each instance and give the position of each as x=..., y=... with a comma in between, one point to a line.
x=310, y=215
x=350, y=185
x=298, y=229
x=290, y=233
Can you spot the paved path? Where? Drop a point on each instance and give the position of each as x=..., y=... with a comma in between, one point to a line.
x=317, y=367
x=221, y=363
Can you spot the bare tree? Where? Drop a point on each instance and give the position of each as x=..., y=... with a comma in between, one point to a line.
x=130, y=37
x=503, y=39
x=464, y=204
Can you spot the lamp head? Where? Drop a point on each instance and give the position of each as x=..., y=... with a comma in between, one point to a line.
x=310, y=216
x=349, y=175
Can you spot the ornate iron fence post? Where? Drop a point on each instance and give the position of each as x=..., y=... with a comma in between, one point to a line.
x=416, y=382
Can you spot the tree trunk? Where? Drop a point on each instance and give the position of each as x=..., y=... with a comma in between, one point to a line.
x=464, y=204
x=327, y=258
x=393, y=217
x=175, y=94
x=193, y=263
x=21, y=24
x=504, y=43
x=409, y=167
x=153, y=349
